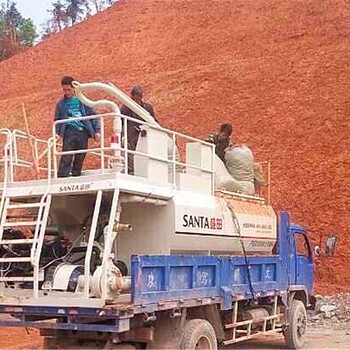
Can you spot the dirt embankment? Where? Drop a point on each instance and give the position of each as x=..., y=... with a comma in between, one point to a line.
x=278, y=70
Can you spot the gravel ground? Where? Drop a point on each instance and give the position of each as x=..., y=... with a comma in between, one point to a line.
x=277, y=70
x=317, y=338
x=329, y=328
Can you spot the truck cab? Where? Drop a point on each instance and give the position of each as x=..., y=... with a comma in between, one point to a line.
x=301, y=259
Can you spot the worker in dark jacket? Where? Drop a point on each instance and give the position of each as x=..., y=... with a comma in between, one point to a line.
x=75, y=133
x=133, y=128
x=221, y=140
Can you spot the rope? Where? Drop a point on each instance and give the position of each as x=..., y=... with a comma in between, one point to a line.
x=238, y=228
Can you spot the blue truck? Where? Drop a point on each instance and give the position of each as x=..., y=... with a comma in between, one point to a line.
x=192, y=301
x=161, y=258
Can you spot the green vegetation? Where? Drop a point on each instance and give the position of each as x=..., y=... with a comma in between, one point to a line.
x=16, y=32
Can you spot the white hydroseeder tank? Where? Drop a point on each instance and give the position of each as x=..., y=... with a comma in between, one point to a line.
x=78, y=230
x=194, y=223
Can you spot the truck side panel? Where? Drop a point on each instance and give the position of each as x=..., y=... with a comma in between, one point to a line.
x=159, y=279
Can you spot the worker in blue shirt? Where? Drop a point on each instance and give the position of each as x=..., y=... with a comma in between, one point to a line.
x=75, y=133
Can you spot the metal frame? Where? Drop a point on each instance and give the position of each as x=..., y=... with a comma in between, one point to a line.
x=239, y=335
x=21, y=135
x=127, y=152
x=91, y=242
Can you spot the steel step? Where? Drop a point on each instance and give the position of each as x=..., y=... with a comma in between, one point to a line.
x=20, y=223
x=23, y=205
x=17, y=279
x=17, y=241
x=16, y=259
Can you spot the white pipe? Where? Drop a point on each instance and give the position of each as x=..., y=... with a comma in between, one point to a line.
x=117, y=123
x=115, y=92
x=126, y=283
x=135, y=107
x=139, y=199
x=119, y=95
x=79, y=88
x=122, y=98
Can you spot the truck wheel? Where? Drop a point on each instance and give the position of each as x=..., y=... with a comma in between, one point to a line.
x=295, y=333
x=199, y=334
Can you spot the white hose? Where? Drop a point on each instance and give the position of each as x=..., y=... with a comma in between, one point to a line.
x=79, y=88
x=122, y=98
x=117, y=124
x=115, y=92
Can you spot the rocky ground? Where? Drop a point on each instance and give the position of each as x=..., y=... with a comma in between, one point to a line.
x=317, y=338
x=331, y=312
x=329, y=326
x=277, y=70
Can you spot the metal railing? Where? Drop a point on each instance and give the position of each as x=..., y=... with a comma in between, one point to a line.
x=47, y=153
x=7, y=156
x=102, y=150
x=20, y=136
x=7, y=167
x=17, y=156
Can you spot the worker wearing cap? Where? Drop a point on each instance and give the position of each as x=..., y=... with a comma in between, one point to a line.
x=133, y=128
x=75, y=133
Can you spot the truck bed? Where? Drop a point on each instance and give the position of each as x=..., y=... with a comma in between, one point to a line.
x=161, y=283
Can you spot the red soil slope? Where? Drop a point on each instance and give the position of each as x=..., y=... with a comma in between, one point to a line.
x=278, y=70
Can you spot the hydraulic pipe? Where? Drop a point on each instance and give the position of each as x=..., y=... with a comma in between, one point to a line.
x=117, y=124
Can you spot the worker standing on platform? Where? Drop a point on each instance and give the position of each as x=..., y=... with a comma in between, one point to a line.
x=75, y=133
x=134, y=127
x=222, y=140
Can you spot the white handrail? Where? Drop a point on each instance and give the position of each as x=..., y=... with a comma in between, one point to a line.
x=4, y=188
x=124, y=148
x=8, y=151
x=157, y=127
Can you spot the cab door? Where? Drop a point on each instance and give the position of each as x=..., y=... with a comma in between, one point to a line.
x=304, y=271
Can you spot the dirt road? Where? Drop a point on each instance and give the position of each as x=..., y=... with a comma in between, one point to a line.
x=317, y=339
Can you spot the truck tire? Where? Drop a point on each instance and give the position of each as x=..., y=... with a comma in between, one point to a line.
x=295, y=333
x=199, y=334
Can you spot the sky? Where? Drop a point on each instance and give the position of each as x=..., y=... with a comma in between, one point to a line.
x=34, y=9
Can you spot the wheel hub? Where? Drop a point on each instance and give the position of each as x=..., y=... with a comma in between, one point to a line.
x=301, y=325
x=203, y=343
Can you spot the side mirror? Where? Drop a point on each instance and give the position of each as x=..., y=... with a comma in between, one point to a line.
x=317, y=251
x=330, y=245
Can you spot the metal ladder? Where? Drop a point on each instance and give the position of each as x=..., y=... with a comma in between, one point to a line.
x=36, y=242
